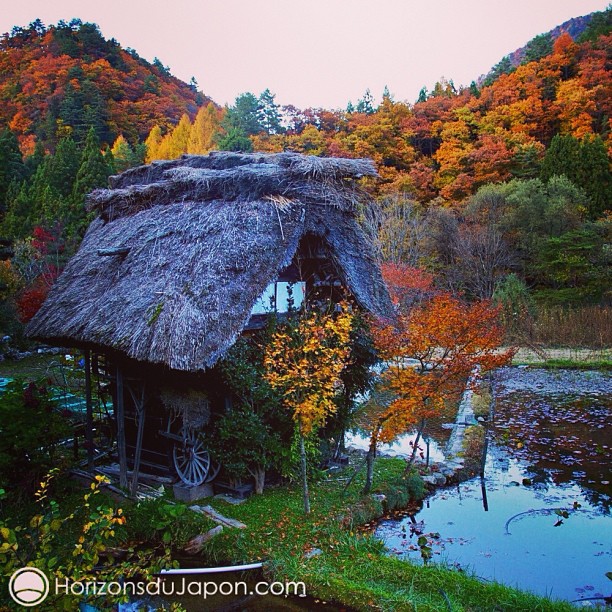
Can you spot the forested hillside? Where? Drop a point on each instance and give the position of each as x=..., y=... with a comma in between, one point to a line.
x=499, y=188
x=66, y=78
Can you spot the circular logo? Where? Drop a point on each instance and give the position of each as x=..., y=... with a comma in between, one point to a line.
x=28, y=586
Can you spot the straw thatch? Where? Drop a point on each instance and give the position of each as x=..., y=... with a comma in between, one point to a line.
x=180, y=251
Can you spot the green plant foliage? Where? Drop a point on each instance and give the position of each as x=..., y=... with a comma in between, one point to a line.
x=255, y=435
x=12, y=168
x=517, y=304
x=158, y=520
x=31, y=429
x=72, y=545
x=576, y=262
x=600, y=25
x=585, y=163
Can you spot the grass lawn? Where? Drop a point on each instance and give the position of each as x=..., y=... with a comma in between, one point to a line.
x=352, y=567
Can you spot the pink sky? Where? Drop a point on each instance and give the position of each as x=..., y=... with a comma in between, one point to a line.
x=314, y=53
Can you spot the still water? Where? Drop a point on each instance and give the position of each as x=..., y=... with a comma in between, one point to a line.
x=540, y=520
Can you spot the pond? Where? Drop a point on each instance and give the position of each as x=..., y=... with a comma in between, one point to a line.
x=540, y=519
x=430, y=448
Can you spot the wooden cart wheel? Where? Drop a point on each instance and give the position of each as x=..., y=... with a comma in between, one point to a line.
x=191, y=460
x=215, y=466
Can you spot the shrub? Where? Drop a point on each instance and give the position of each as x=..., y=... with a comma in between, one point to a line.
x=31, y=431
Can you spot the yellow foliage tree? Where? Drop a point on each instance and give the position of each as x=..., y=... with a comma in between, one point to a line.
x=153, y=143
x=304, y=360
x=174, y=144
x=205, y=128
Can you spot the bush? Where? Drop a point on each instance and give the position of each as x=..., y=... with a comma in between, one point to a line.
x=160, y=521
x=73, y=543
x=31, y=431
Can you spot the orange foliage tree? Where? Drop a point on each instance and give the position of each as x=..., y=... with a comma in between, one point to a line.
x=304, y=360
x=429, y=353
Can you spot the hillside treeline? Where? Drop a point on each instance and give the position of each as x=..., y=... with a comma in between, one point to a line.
x=497, y=188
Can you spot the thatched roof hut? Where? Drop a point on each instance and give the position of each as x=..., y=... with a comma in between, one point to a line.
x=181, y=250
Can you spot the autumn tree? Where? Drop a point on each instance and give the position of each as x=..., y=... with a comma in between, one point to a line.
x=430, y=351
x=303, y=361
x=153, y=143
x=174, y=143
x=204, y=131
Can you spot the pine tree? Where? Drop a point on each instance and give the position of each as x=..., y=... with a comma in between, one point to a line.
x=235, y=140
x=11, y=164
x=33, y=161
x=269, y=115
x=17, y=222
x=244, y=115
x=585, y=163
x=93, y=171
x=366, y=104
x=561, y=157
x=593, y=174
x=59, y=170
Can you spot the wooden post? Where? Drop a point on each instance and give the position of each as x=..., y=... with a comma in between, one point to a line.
x=140, y=411
x=120, y=415
x=89, y=413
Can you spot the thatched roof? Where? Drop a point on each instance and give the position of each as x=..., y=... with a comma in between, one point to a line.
x=181, y=250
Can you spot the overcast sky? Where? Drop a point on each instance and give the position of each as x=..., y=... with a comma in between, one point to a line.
x=314, y=53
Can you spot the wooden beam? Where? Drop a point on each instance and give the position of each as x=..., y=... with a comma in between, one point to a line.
x=139, y=404
x=120, y=416
x=89, y=413
x=113, y=251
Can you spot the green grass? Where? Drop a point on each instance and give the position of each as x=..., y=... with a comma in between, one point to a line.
x=55, y=368
x=352, y=568
x=569, y=364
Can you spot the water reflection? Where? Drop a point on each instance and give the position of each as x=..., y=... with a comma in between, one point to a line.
x=540, y=519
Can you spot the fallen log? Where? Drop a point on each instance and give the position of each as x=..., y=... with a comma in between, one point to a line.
x=195, y=545
x=217, y=517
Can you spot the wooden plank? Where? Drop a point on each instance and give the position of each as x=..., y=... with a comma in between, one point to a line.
x=140, y=409
x=217, y=516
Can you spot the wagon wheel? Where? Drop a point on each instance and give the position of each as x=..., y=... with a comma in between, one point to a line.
x=192, y=461
x=215, y=466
